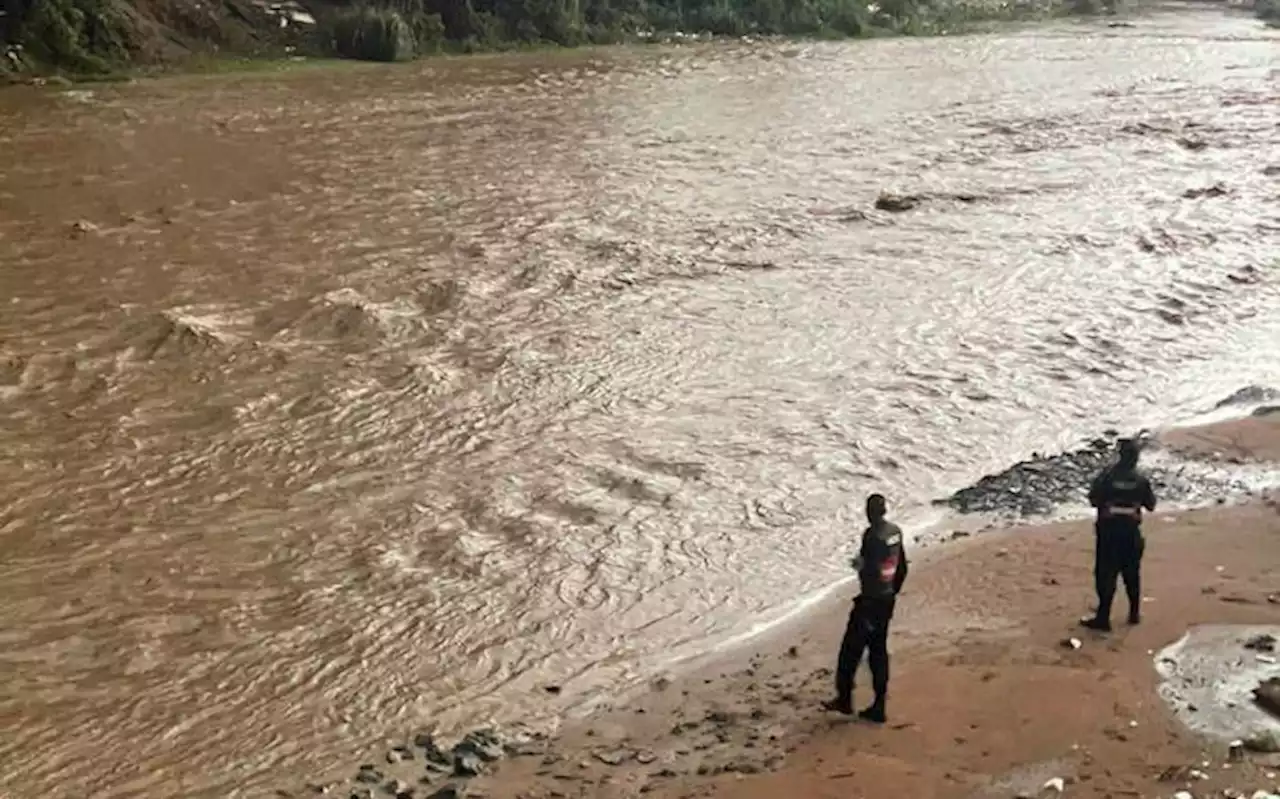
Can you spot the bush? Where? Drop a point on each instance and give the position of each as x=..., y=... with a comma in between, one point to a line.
x=370, y=34
x=87, y=36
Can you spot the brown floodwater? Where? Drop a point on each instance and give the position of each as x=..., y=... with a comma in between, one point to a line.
x=351, y=402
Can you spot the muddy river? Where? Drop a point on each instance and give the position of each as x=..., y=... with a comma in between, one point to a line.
x=352, y=402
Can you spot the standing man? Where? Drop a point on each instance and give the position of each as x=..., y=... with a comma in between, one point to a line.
x=882, y=569
x=1120, y=493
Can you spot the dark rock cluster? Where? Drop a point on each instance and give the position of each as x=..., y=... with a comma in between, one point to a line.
x=1040, y=484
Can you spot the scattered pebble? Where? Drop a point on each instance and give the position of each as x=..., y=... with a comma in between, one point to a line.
x=615, y=758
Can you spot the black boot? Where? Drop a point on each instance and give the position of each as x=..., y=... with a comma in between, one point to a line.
x=842, y=706
x=1135, y=617
x=1098, y=623
x=874, y=713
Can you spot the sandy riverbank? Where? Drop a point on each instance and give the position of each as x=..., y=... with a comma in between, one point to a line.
x=986, y=698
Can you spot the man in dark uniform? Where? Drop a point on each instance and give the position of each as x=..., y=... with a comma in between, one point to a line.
x=1120, y=493
x=882, y=569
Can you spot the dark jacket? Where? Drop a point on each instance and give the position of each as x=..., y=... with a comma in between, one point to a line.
x=1121, y=493
x=884, y=561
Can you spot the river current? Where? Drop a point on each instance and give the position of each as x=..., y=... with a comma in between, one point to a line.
x=349, y=402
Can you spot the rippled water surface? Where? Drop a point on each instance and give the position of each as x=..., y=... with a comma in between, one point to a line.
x=352, y=402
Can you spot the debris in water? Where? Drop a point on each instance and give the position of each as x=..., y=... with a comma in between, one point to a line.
x=81, y=228
x=1261, y=643
x=1216, y=190
x=897, y=203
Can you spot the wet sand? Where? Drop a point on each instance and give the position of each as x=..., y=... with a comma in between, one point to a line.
x=988, y=698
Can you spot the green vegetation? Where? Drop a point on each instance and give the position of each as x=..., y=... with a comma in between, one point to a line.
x=88, y=38
x=1269, y=11
x=370, y=34
x=377, y=31
x=85, y=37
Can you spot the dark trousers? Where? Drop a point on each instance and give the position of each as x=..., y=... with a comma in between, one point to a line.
x=867, y=630
x=1118, y=554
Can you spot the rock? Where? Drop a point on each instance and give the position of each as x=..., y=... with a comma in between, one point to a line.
x=1183, y=795
x=369, y=775
x=1235, y=751
x=1267, y=695
x=554, y=690
x=1265, y=742
x=436, y=758
x=645, y=758
x=1195, y=145
x=482, y=744
x=469, y=765
x=399, y=789
x=1072, y=643
x=448, y=792
x=615, y=758
x=1055, y=785
x=1250, y=395
x=399, y=753
x=793, y=652
x=897, y=203
x=1038, y=485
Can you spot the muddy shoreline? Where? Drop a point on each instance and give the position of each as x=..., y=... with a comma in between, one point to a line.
x=621, y=738
x=489, y=373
